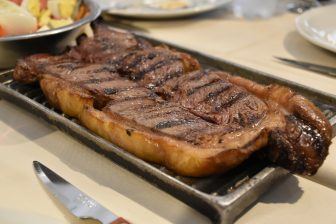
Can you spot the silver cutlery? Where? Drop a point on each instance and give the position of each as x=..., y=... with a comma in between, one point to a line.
x=78, y=203
x=326, y=70
x=300, y=6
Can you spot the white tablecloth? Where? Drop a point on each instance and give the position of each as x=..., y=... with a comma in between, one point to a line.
x=24, y=138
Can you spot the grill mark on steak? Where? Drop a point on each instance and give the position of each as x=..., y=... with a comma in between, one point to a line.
x=159, y=114
x=133, y=98
x=110, y=91
x=232, y=100
x=135, y=62
x=139, y=57
x=253, y=119
x=153, y=79
x=168, y=77
x=197, y=75
x=216, y=93
x=193, y=76
x=141, y=74
x=136, y=111
x=196, y=89
x=138, y=75
x=172, y=123
x=70, y=66
x=60, y=69
x=119, y=60
x=156, y=114
x=130, y=104
x=109, y=87
x=96, y=80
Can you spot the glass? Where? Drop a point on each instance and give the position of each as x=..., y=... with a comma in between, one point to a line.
x=252, y=9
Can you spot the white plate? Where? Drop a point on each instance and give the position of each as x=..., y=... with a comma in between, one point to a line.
x=142, y=8
x=319, y=26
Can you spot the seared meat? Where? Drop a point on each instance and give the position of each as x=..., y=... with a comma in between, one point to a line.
x=133, y=57
x=157, y=104
x=155, y=66
x=112, y=92
x=143, y=123
x=303, y=144
x=33, y=66
x=215, y=99
x=107, y=45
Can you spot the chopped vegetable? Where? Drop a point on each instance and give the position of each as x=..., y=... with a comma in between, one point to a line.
x=43, y=4
x=18, y=2
x=2, y=31
x=27, y=16
x=43, y=28
x=53, y=7
x=15, y=20
x=66, y=8
x=44, y=18
x=81, y=12
x=33, y=6
x=56, y=23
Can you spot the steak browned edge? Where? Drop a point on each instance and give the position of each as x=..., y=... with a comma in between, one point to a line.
x=299, y=144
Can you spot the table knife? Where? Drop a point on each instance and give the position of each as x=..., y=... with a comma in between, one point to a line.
x=77, y=202
x=331, y=71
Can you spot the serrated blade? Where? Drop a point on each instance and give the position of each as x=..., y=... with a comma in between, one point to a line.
x=77, y=202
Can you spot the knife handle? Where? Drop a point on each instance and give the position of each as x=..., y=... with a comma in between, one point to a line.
x=120, y=221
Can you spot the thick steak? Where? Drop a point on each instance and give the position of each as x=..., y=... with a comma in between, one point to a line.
x=157, y=104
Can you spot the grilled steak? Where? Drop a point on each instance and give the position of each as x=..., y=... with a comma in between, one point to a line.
x=157, y=104
x=107, y=45
x=144, y=123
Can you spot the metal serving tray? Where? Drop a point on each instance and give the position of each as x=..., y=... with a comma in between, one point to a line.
x=222, y=197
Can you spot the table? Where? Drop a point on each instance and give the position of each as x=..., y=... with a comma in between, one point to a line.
x=24, y=138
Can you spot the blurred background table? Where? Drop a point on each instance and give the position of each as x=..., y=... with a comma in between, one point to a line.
x=24, y=137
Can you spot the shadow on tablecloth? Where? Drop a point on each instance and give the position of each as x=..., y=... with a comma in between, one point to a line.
x=303, y=50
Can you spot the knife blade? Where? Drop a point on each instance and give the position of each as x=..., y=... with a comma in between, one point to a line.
x=331, y=71
x=78, y=203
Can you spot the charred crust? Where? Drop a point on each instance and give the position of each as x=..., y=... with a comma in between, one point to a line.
x=110, y=91
x=205, y=112
x=129, y=132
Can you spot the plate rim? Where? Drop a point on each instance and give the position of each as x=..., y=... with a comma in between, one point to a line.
x=316, y=41
x=170, y=13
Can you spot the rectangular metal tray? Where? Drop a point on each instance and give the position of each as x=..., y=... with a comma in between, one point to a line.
x=222, y=197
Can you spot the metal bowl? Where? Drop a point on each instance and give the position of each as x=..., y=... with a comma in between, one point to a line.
x=50, y=41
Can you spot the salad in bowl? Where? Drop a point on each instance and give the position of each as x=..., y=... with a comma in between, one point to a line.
x=42, y=26
x=19, y=17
